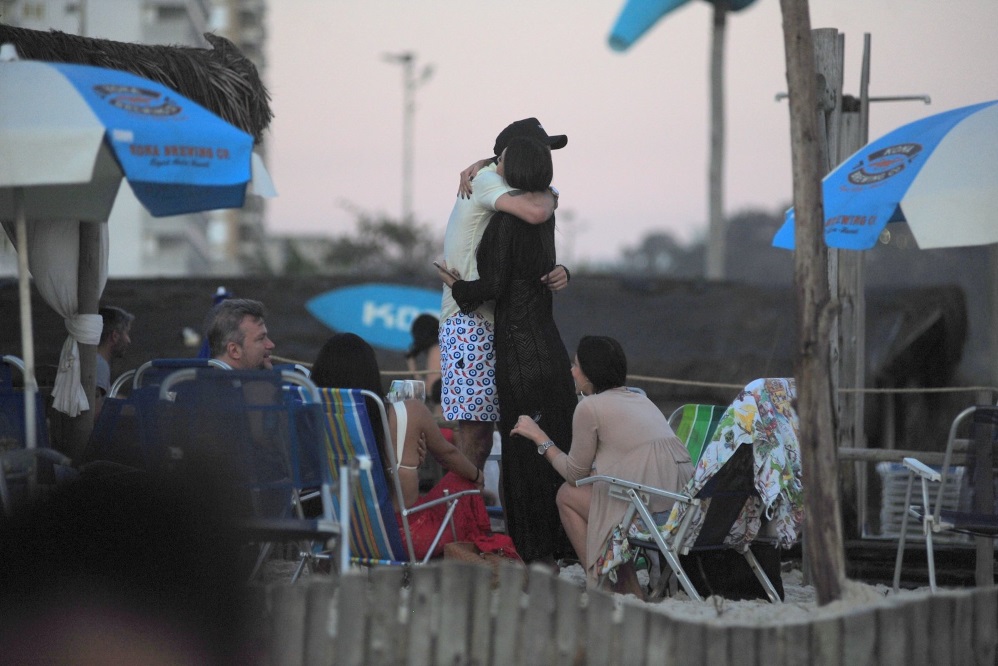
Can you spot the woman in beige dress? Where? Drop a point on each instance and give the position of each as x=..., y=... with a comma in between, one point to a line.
x=616, y=432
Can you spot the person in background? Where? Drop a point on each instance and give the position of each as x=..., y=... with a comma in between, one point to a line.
x=615, y=432
x=115, y=338
x=347, y=361
x=425, y=340
x=237, y=334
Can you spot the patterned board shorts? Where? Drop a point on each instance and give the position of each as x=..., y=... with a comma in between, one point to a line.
x=468, y=364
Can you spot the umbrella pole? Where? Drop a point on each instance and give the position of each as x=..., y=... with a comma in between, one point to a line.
x=27, y=340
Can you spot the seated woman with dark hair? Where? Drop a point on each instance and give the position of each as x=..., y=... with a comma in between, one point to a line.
x=425, y=331
x=347, y=361
x=616, y=432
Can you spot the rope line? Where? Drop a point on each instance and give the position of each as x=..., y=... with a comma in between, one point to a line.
x=720, y=385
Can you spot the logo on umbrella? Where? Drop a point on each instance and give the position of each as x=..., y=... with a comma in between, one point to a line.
x=885, y=163
x=137, y=100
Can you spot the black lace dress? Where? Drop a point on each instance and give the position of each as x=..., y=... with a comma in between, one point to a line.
x=533, y=375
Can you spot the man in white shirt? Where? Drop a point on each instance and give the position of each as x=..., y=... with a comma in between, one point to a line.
x=467, y=354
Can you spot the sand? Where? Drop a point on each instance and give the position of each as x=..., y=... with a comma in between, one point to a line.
x=800, y=602
x=799, y=605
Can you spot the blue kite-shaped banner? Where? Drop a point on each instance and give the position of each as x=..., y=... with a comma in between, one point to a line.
x=638, y=16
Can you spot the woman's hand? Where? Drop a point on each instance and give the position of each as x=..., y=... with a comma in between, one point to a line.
x=421, y=448
x=464, y=186
x=527, y=427
x=448, y=275
x=557, y=279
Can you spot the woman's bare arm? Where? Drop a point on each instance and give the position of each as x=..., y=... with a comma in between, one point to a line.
x=448, y=455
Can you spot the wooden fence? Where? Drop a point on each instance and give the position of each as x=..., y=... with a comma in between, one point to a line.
x=449, y=613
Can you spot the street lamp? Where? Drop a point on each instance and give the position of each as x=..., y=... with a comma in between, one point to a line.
x=410, y=82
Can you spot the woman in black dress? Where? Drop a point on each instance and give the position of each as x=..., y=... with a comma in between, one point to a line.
x=533, y=370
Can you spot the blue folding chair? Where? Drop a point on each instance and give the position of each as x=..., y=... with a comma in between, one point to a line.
x=18, y=463
x=124, y=430
x=268, y=445
x=153, y=372
x=12, y=407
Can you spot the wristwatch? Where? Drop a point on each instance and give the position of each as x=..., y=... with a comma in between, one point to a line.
x=541, y=448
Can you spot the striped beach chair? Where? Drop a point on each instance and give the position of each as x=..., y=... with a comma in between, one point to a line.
x=374, y=534
x=694, y=424
x=374, y=529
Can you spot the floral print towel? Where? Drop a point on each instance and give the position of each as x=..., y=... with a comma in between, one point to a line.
x=762, y=416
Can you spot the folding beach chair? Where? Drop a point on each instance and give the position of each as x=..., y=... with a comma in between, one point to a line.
x=245, y=426
x=694, y=424
x=745, y=492
x=374, y=529
x=296, y=367
x=977, y=514
x=153, y=372
x=12, y=407
x=124, y=431
x=19, y=466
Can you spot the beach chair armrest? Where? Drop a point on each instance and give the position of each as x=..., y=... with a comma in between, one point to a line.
x=639, y=487
x=443, y=500
x=921, y=469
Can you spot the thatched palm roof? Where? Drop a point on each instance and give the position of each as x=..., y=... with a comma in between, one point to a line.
x=220, y=79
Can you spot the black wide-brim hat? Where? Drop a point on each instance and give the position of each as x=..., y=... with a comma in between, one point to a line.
x=528, y=127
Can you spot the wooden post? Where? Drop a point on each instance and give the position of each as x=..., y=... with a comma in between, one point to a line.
x=984, y=495
x=821, y=497
x=88, y=297
x=852, y=345
x=716, y=242
x=852, y=299
x=828, y=57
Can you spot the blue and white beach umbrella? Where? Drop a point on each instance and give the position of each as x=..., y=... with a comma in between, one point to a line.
x=69, y=134
x=939, y=174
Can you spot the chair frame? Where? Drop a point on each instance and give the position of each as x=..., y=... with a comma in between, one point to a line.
x=672, y=545
x=934, y=517
x=293, y=529
x=638, y=496
x=366, y=463
x=21, y=464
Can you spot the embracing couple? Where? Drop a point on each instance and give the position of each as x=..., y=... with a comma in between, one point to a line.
x=501, y=352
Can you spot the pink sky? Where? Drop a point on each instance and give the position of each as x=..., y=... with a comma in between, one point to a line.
x=637, y=122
